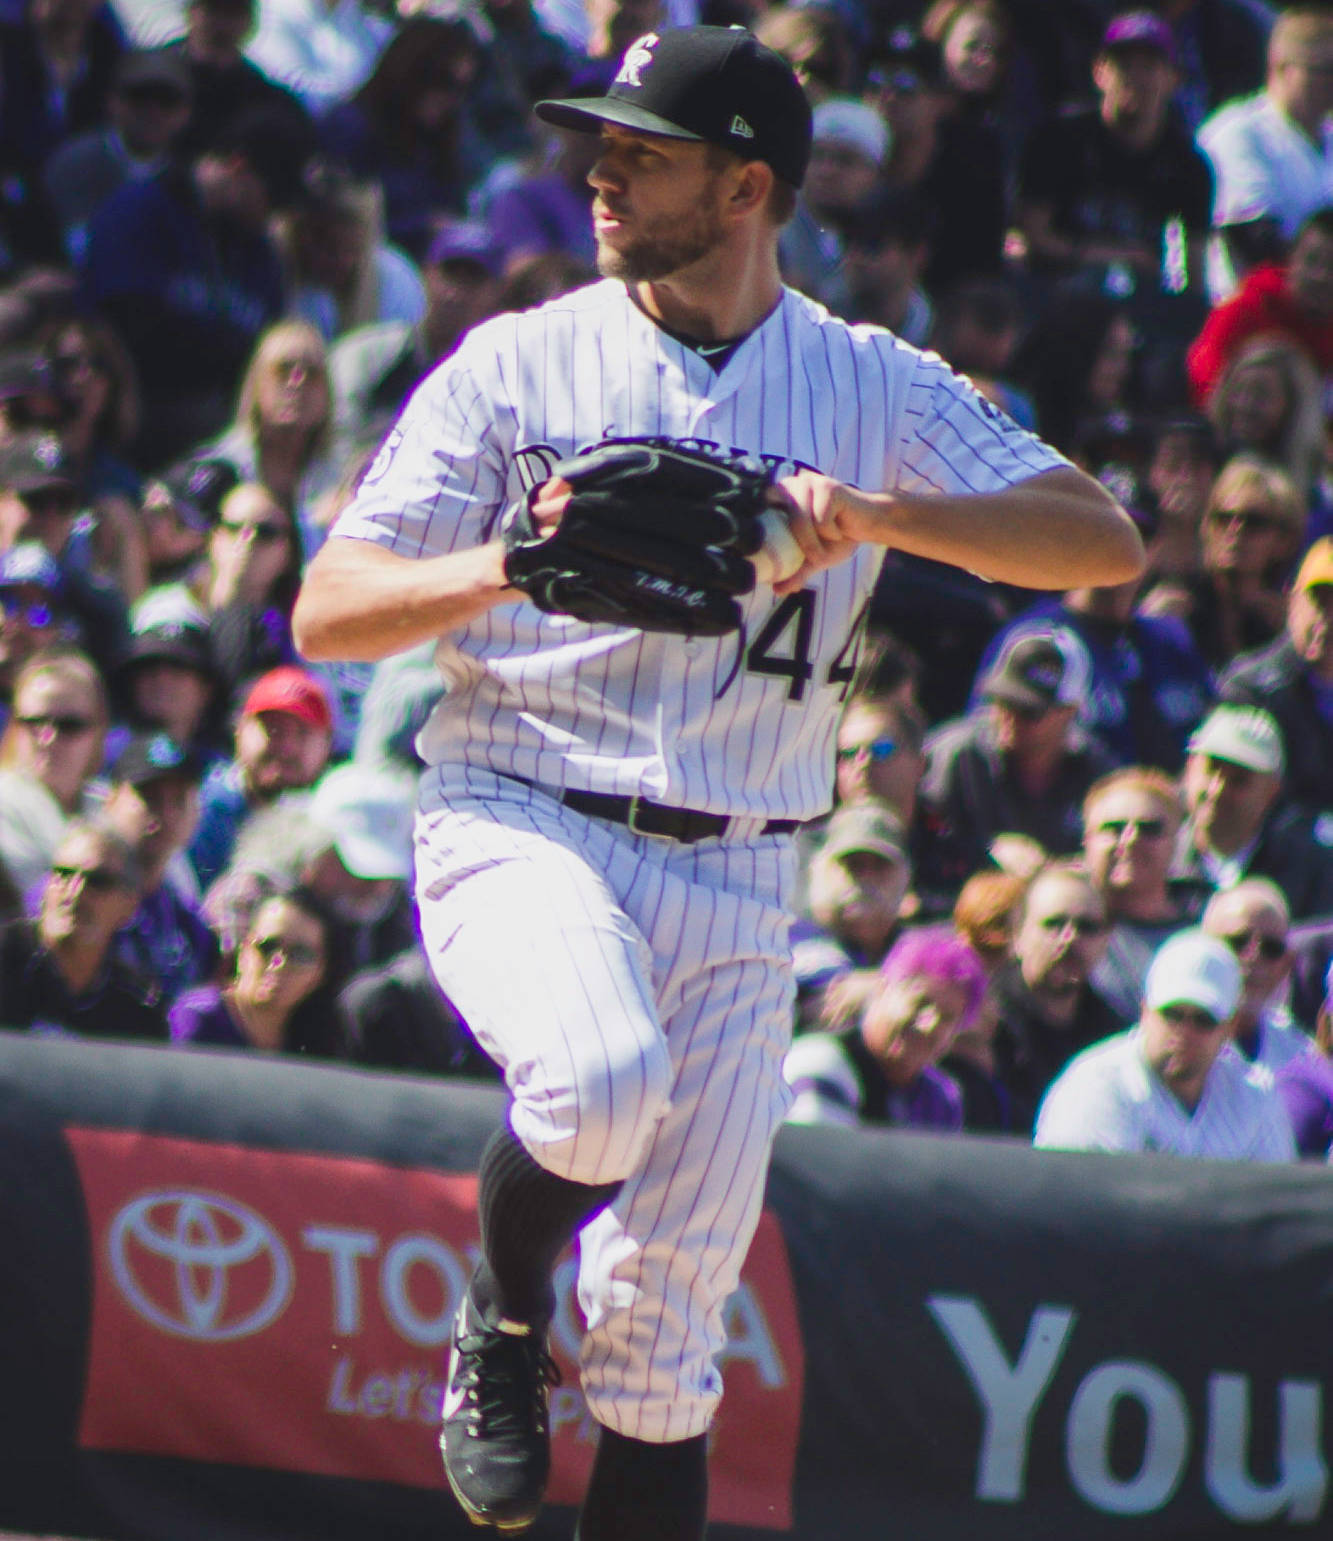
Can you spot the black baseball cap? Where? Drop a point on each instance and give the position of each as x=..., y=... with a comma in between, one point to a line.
x=197, y=488
x=150, y=756
x=715, y=85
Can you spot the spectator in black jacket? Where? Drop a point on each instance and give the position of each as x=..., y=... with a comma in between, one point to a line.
x=1237, y=825
x=1047, y=1011
x=1293, y=678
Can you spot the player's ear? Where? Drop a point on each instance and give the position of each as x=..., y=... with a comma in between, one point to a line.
x=751, y=187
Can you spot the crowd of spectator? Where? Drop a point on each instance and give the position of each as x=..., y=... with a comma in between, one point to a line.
x=1077, y=883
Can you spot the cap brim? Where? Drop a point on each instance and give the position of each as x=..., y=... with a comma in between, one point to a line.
x=366, y=858
x=586, y=114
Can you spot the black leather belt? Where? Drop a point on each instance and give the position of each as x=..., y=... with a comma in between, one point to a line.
x=684, y=824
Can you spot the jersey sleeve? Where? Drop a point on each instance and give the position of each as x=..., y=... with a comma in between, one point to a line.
x=1084, y=1110
x=438, y=481
x=953, y=440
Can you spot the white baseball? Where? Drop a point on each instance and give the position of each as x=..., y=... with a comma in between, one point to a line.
x=780, y=555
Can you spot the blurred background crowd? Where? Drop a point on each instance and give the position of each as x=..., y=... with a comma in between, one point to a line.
x=235, y=234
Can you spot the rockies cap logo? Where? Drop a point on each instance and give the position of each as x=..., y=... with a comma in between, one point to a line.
x=638, y=56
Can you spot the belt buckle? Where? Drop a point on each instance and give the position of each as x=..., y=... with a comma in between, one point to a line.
x=632, y=819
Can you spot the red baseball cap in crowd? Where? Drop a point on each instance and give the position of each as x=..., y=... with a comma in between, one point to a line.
x=289, y=689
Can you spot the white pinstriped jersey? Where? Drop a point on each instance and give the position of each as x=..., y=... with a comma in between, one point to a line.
x=1107, y=1098
x=741, y=724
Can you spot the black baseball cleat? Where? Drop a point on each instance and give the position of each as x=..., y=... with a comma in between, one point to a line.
x=496, y=1438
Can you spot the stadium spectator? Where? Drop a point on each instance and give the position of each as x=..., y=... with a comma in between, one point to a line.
x=1131, y=820
x=1183, y=460
x=1272, y=153
x=1046, y=1010
x=1017, y=763
x=282, y=741
x=349, y=841
x=1118, y=194
x=224, y=83
x=984, y=917
x=397, y=1018
x=954, y=163
x=1293, y=679
x=147, y=110
x=1253, y=920
x=183, y=267
x=1269, y=402
x=409, y=128
x=1172, y=1083
x=858, y=877
x=169, y=682
x=31, y=394
x=1220, y=47
x=883, y=1069
x=41, y=500
x=340, y=272
x=57, y=67
x=177, y=511
x=1237, y=825
x=1077, y=362
x=977, y=328
x=1305, y=1084
x=50, y=754
x=814, y=39
x=59, y=974
x=277, y=999
x=282, y=434
x=887, y=249
x=248, y=585
x=31, y=616
x=1251, y=526
x=323, y=50
x=1150, y=684
x=154, y=805
x=1291, y=299
x=374, y=369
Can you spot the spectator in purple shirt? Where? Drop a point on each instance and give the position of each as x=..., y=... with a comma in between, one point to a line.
x=884, y=1069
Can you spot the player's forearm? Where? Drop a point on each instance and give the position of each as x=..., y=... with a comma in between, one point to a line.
x=1059, y=530
x=361, y=603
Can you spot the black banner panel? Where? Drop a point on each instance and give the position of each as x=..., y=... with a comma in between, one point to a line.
x=230, y=1279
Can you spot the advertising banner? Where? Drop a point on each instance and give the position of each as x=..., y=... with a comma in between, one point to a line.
x=228, y=1281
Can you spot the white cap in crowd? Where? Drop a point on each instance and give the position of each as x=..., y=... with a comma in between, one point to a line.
x=1192, y=968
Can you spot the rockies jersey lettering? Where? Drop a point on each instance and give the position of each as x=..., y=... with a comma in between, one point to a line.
x=741, y=724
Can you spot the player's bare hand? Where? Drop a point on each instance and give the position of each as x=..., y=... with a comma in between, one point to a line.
x=548, y=503
x=817, y=515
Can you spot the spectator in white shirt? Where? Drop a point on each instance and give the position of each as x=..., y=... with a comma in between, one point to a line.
x=1173, y=1083
x=1272, y=153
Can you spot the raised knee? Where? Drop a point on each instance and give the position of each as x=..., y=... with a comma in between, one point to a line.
x=619, y=1108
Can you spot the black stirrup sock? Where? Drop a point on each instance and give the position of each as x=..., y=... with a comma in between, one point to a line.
x=643, y=1492
x=527, y=1216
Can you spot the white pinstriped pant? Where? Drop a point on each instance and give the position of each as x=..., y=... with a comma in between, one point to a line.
x=638, y=993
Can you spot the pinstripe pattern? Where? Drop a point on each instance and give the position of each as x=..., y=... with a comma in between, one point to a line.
x=568, y=704
x=1108, y=1099
x=540, y=923
x=639, y=992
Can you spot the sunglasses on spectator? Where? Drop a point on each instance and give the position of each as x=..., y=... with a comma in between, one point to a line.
x=36, y=615
x=1247, y=520
x=298, y=954
x=291, y=366
x=876, y=751
x=1083, y=925
x=1270, y=947
x=100, y=879
x=64, y=725
x=1149, y=829
x=1190, y=1016
x=265, y=534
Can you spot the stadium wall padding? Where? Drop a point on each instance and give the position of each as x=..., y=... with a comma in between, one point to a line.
x=227, y=1280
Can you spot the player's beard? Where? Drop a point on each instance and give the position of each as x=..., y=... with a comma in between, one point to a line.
x=665, y=245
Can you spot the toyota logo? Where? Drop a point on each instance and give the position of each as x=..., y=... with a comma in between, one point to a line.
x=199, y=1265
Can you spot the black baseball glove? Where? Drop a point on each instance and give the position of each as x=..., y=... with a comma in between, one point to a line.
x=655, y=535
